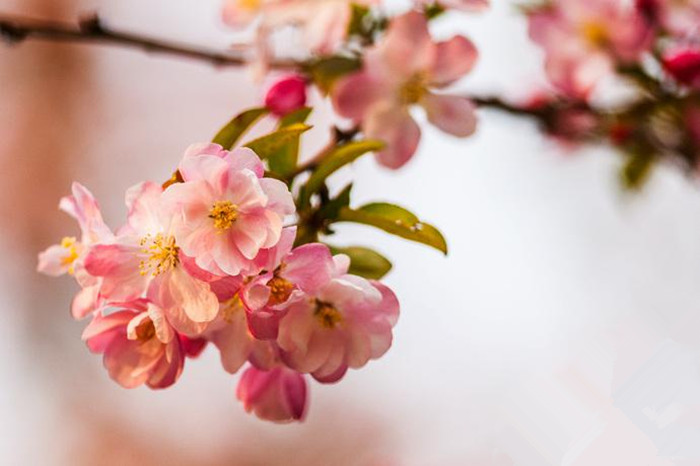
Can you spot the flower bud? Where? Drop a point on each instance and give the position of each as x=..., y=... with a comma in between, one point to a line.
x=277, y=395
x=286, y=95
x=684, y=66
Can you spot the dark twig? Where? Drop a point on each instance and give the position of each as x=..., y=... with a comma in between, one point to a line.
x=91, y=30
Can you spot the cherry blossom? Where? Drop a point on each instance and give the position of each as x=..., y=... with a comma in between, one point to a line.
x=225, y=212
x=401, y=71
x=323, y=23
x=346, y=322
x=138, y=344
x=584, y=40
x=68, y=256
x=144, y=260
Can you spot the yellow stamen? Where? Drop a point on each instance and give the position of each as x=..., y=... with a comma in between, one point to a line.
x=328, y=316
x=595, y=33
x=250, y=5
x=280, y=289
x=69, y=243
x=224, y=214
x=413, y=90
x=162, y=254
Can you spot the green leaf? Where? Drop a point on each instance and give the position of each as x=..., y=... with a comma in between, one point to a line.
x=336, y=159
x=284, y=161
x=297, y=116
x=268, y=145
x=325, y=71
x=365, y=262
x=636, y=170
x=234, y=129
x=358, y=24
x=397, y=221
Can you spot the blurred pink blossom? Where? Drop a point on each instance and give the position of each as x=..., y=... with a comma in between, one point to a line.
x=584, y=40
x=400, y=72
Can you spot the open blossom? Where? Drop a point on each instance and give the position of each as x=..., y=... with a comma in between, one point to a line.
x=144, y=260
x=278, y=394
x=344, y=323
x=584, y=40
x=225, y=212
x=681, y=18
x=399, y=72
x=300, y=271
x=323, y=23
x=68, y=256
x=138, y=344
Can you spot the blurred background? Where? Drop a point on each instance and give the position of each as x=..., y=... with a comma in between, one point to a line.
x=561, y=329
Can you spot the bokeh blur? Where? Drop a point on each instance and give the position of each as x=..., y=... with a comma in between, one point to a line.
x=561, y=329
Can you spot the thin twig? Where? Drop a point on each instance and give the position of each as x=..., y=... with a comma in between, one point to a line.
x=90, y=29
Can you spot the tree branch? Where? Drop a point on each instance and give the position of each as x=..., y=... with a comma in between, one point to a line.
x=91, y=30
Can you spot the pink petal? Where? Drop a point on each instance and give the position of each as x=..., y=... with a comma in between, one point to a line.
x=309, y=266
x=279, y=199
x=454, y=58
x=353, y=96
x=395, y=126
x=118, y=265
x=243, y=158
x=407, y=47
x=454, y=115
x=85, y=302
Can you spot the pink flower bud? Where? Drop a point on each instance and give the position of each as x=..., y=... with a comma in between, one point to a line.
x=684, y=66
x=286, y=95
x=277, y=395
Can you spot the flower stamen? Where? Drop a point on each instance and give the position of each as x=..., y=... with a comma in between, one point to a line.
x=162, y=254
x=327, y=315
x=224, y=214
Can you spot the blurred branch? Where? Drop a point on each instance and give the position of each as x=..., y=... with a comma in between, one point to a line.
x=90, y=29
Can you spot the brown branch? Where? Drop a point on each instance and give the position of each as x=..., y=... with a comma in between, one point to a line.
x=91, y=30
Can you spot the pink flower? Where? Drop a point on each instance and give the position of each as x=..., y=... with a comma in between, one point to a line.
x=226, y=213
x=681, y=18
x=684, y=65
x=323, y=23
x=277, y=395
x=303, y=270
x=400, y=72
x=139, y=345
x=584, y=40
x=344, y=323
x=286, y=95
x=68, y=256
x=144, y=260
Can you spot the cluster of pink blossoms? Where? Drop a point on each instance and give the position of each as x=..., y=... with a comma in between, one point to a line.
x=208, y=259
x=586, y=40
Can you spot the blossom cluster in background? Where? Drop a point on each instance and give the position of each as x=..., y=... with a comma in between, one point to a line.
x=652, y=47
